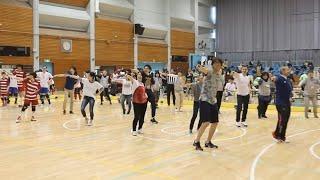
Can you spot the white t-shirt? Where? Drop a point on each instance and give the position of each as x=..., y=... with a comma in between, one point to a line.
x=230, y=87
x=90, y=88
x=13, y=82
x=44, y=79
x=126, y=87
x=136, y=84
x=242, y=83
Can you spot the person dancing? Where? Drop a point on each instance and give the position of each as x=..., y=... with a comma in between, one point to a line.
x=4, y=85
x=69, y=87
x=148, y=81
x=243, y=95
x=105, y=81
x=32, y=86
x=209, y=114
x=140, y=100
x=45, y=77
x=283, y=103
x=19, y=73
x=311, y=85
x=264, y=97
x=91, y=88
x=126, y=94
x=196, y=90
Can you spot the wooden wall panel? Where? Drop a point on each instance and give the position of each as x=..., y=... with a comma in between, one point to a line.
x=15, y=30
x=153, y=52
x=114, y=43
x=78, y=3
x=50, y=48
x=182, y=43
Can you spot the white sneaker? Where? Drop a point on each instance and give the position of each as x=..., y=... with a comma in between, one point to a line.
x=244, y=124
x=134, y=133
x=87, y=120
x=176, y=110
x=140, y=131
x=238, y=124
x=18, y=120
x=90, y=122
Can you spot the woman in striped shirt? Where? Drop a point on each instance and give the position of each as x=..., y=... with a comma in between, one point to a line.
x=4, y=84
x=32, y=87
x=19, y=73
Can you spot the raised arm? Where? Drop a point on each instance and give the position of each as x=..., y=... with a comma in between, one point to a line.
x=202, y=69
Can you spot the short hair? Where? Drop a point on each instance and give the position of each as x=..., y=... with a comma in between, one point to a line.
x=33, y=74
x=283, y=68
x=217, y=60
x=3, y=73
x=148, y=66
x=92, y=74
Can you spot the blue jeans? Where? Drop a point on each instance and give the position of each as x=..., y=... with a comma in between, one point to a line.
x=87, y=100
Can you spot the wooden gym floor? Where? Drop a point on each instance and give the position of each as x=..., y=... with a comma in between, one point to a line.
x=62, y=147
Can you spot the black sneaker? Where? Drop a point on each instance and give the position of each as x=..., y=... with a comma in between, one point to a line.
x=210, y=145
x=198, y=146
x=128, y=112
x=101, y=103
x=71, y=112
x=123, y=111
x=64, y=112
x=154, y=121
x=264, y=116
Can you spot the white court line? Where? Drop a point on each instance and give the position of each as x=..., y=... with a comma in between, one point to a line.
x=311, y=149
x=264, y=150
x=244, y=132
x=72, y=129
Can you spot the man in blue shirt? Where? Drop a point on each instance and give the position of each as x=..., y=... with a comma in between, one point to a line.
x=283, y=103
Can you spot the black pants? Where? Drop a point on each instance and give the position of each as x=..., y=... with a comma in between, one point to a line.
x=139, y=113
x=152, y=100
x=283, y=119
x=242, y=105
x=45, y=96
x=263, y=105
x=196, y=107
x=105, y=93
x=87, y=100
x=219, y=99
x=170, y=90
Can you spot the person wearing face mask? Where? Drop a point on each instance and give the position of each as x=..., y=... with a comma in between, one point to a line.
x=264, y=97
x=311, y=85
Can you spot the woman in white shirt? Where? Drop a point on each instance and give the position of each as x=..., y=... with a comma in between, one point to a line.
x=126, y=95
x=91, y=88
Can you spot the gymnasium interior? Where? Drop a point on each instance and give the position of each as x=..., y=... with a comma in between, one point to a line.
x=118, y=36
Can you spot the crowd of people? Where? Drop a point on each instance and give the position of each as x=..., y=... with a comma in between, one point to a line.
x=209, y=85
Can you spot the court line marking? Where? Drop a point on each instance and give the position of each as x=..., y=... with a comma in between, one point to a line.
x=264, y=150
x=311, y=149
x=244, y=132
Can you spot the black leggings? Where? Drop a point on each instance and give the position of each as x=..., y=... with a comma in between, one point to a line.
x=170, y=90
x=196, y=107
x=105, y=93
x=139, y=113
x=152, y=100
x=242, y=105
x=43, y=96
x=87, y=100
x=25, y=107
x=219, y=99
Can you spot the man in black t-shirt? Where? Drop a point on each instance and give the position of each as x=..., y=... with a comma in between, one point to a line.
x=148, y=81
